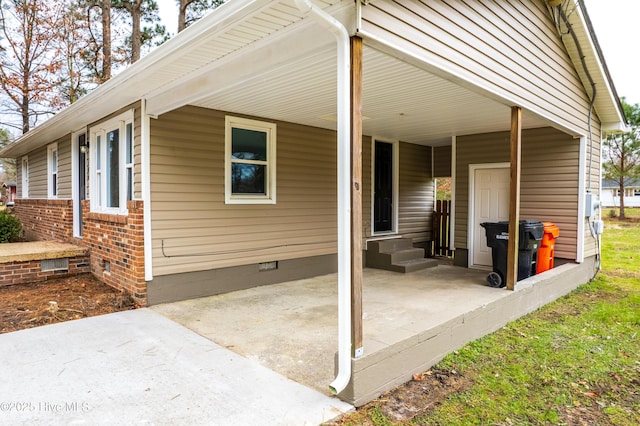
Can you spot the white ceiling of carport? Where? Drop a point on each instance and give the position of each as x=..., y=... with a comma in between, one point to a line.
x=400, y=101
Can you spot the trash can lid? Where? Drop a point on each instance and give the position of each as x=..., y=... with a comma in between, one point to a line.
x=551, y=228
x=534, y=227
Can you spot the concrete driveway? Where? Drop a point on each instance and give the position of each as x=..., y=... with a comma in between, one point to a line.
x=138, y=367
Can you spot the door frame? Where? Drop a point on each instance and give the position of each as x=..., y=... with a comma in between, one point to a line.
x=395, y=184
x=472, y=195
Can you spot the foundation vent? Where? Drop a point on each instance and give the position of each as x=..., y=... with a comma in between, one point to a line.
x=267, y=266
x=54, y=264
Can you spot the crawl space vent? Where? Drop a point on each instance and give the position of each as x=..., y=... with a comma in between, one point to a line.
x=54, y=264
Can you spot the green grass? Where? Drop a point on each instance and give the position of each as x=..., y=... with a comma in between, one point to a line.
x=629, y=212
x=574, y=361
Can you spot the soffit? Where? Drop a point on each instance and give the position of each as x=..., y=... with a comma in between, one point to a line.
x=400, y=101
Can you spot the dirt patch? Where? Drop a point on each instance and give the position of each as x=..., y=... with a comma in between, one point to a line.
x=32, y=305
x=410, y=400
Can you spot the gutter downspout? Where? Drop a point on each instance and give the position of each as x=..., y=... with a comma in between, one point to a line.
x=344, y=191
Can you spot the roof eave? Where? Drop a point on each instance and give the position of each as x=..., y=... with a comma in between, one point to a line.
x=602, y=68
x=130, y=85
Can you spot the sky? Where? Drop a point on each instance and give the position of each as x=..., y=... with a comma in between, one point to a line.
x=617, y=27
x=616, y=23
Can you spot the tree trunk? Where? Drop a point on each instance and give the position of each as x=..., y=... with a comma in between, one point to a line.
x=621, y=195
x=136, y=34
x=106, y=40
x=182, y=14
x=24, y=110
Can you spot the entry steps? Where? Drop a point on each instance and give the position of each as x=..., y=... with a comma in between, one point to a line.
x=398, y=255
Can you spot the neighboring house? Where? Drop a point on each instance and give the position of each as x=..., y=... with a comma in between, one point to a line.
x=611, y=193
x=9, y=196
x=218, y=161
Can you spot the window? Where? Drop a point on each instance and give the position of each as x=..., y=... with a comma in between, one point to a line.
x=52, y=170
x=112, y=162
x=250, y=163
x=25, y=177
x=128, y=163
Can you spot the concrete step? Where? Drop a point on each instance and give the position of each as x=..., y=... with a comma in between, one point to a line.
x=405, y=255
x=414, y=265
x=397, y=255
x=391, y=245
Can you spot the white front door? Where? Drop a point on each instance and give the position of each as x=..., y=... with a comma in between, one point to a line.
x=490, y=204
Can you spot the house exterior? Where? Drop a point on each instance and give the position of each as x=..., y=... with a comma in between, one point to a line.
x=274, y=140
x=9, y=196
x=611, y=193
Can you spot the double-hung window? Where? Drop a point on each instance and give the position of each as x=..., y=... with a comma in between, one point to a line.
x=250, y=161
x=112, y=164
x=52, y=170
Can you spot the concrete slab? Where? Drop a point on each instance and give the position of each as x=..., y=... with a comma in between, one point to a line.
x=138, y=367
x=292, y=327
x=410, y=321
x=37, y=250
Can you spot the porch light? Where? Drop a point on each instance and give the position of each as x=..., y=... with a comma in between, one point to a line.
x=84, y=147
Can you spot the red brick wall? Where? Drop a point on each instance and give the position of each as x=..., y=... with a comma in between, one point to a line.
x=30, y=271
x=50, y=220
x=118, y=240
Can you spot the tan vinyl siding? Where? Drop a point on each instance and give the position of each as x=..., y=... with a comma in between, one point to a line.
x=415, y=210
x=199, y=231
x=510, y=48
x=593, y=184
x=549, y=180
x=64, y=167
x=442, y=161
x=38, y=173
x=19, y=176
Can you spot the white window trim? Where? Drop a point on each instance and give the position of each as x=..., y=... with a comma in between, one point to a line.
x=53, y=188
x=129, y=166
x=25, y=176
x=270, y=130
x=98, y=187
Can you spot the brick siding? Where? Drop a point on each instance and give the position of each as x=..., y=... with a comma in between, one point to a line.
x=50, y=220
x=116, y=242
x=30, y=271
x=117, y=248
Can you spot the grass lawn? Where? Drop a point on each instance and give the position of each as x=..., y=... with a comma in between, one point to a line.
x=575, y=361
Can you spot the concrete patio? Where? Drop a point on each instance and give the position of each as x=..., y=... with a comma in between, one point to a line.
x=410, y=321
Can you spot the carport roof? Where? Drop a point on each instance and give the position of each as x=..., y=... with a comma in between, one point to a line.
x=257, y=57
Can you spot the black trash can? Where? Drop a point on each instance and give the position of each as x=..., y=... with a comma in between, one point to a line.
x=531, y=232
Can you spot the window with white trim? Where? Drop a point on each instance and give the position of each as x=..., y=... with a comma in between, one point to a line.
x=110, y=165
x=25, y=177
x=128, y=160
x=52, y=170
x=250, y=161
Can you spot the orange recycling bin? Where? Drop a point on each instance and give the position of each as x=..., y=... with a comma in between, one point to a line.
x=547, y=245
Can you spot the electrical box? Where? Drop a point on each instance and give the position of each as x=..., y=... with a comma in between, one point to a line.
x=591, y=205
x=598, y=227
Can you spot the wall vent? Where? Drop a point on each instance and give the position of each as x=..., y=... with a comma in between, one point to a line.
x=267, y=266
x=54, y=264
